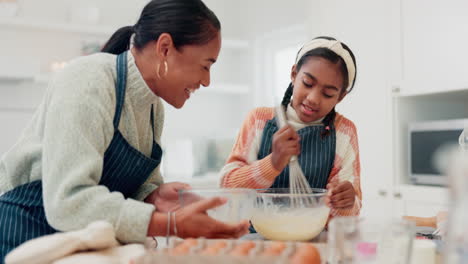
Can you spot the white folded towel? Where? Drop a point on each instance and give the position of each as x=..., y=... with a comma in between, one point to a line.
x=116, y=255
x=47, y=249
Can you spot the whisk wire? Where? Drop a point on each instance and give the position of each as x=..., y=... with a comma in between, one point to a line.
x=298, y=184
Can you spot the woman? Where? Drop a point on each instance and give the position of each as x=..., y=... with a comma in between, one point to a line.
x=92, y=150
x=326, y=142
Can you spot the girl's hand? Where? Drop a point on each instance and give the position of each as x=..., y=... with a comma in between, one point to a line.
x=286, y=143
x=193, y=221
x=166, y=196
x=341, y=195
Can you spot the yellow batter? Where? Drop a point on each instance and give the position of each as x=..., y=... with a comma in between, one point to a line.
x=299, y=224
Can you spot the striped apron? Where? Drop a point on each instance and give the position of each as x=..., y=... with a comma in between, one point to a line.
x=125, y=169
x=316, y=158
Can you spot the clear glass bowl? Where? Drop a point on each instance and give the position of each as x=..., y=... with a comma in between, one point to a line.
x=281, y=215
x=238, y=207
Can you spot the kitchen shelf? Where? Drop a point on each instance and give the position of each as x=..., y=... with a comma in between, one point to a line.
x=433, y=92
x=105, y=31
x=215, y=88
x=16, y=78
x=22, y=70
x=39, y=78
x=56, y=26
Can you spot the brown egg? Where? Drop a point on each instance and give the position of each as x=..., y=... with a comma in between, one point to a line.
x=306, y=254
x=191, y=242
x=184, y=247
x=243, y=249
x=275, y=249
x=180, y=250
x=214, y=249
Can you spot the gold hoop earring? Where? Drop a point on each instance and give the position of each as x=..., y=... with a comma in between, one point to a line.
x=165, y=68
x=157, y=70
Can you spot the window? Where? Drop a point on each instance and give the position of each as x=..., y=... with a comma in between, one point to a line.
x=275, y=54
x=283, y=61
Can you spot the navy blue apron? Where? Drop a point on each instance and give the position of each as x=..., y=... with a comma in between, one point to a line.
x=316, y=158
x=125, y=169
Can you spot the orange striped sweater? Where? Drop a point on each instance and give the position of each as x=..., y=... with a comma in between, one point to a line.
x=244, y=170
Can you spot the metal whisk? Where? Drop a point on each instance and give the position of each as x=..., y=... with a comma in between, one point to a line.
x=298, y=183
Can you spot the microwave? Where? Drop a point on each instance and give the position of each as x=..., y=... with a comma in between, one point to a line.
x=425, y=139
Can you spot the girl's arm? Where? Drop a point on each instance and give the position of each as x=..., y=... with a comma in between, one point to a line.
x=243, y=169
x=347, y=166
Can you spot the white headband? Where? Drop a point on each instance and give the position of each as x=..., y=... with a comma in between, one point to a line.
x=336, y=47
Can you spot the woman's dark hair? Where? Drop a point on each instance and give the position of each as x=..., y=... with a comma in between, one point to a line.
x=189, y=22
x=333, y=58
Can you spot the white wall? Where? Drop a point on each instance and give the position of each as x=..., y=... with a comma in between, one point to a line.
x=17, y=105
x=115, y=13
x=231, y=16
x=264, y=16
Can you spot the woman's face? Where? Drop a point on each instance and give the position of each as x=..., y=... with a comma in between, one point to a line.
x=188, y=68
x=317, y=88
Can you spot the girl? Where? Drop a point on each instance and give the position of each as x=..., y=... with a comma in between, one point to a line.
x=326, y=142
x=92, y=150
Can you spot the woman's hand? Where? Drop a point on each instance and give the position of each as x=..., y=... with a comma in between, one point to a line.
x=286, y=143
x=166, y=197
x=193, y=221
x=341, y=195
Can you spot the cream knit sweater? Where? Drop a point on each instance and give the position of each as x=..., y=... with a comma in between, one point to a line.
x=65, y=141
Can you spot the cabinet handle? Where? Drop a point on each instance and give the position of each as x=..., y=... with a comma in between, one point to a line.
x=382, y=193
x=395, y=89
x=397, y=195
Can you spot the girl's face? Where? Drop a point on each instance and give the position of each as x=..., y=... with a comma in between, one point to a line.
x=188, y=68
x=317, y=88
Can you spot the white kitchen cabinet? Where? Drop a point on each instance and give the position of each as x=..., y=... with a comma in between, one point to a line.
x=434, y=38
x=429, y=81
x=422, y=201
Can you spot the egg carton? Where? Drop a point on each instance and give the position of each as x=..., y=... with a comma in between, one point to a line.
x=215, y=251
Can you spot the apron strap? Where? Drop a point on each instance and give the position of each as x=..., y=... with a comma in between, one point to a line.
x=152, y=122
x=120, y=87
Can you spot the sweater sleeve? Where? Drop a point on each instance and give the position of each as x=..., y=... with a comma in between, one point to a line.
x=243, y=169
x=78, y=130
x=347, y=166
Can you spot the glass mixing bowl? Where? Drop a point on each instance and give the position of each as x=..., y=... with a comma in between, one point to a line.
x=238, y=207
x=281, y=215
